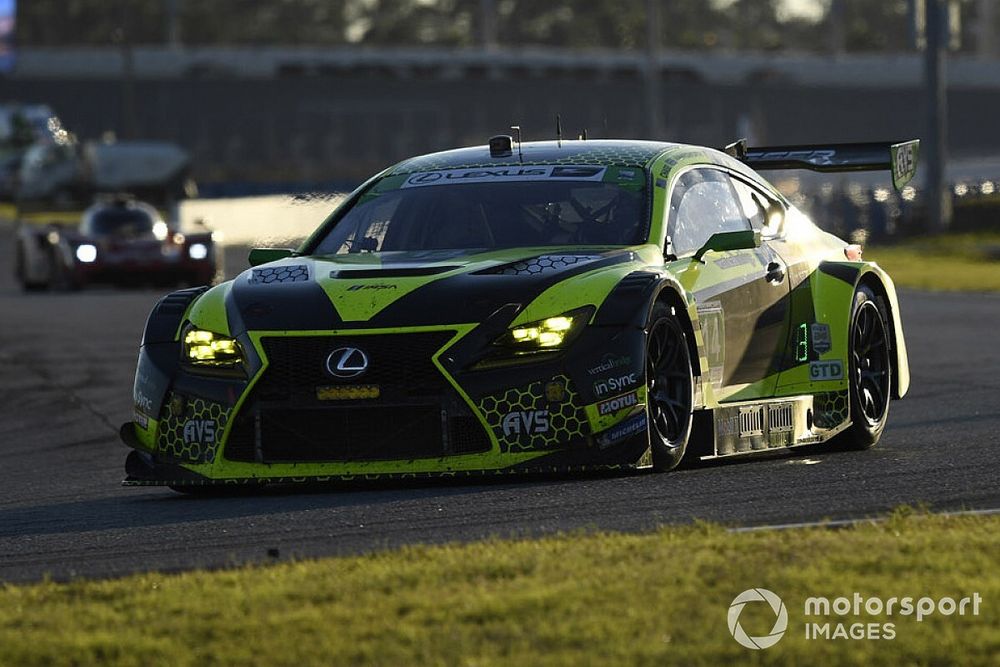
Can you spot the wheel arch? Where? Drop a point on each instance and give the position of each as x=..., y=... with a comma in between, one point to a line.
x=672, y=294
x=877, y=280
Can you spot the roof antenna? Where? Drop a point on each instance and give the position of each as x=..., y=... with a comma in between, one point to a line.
x=517, y=130
x=559, y=130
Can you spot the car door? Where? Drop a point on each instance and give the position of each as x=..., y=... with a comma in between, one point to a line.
x=742, y=295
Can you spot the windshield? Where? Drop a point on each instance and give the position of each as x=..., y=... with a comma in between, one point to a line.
x=504, y=207
x=121, y=222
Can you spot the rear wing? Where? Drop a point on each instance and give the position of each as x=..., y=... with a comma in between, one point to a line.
x=900, y=158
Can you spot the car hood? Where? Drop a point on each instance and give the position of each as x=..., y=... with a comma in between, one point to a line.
x=426, y=288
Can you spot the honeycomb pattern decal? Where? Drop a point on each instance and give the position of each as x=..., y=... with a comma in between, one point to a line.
x=831, y=409
x=279, y=274
x=600, y=153
x=521, y=432
x=542, y=264
x=190, y=428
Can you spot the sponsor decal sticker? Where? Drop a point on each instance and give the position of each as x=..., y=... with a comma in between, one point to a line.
x=140, y=419
x=618, y=433
x=555, y=392
x=821, y=338
x=617, y=403
x=610, y=362
x=614, y=384
x=525, y=422
x=355, y=288
x=732, y=261
x=177, y=405
x=826, y=370
x=503, y=174
x=200, y=431
x=143, y=402
x=817, y=157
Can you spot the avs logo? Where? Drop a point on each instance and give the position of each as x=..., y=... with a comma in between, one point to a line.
x=617, y=403
x=525, y=422
x=826, y=370
x=614, y=385
x=200, y=431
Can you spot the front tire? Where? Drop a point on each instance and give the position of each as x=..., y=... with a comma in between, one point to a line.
x=669, y=388
x=870, y=371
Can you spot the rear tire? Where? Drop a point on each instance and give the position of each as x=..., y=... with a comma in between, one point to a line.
x=669, y=388
x=870, y=375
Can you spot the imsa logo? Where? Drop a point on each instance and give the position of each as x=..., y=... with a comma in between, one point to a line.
x=526, y=422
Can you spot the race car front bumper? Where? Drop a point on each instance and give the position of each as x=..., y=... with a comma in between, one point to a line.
x=425, y=406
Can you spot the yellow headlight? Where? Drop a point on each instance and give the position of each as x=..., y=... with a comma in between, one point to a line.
x=549, y=333
x=206, y=348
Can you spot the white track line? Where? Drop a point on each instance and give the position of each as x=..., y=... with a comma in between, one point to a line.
x=848, y=523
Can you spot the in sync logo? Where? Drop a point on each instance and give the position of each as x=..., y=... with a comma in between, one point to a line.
x=780, y=622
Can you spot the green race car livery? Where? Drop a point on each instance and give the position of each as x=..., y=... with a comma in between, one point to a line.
x=523, y=308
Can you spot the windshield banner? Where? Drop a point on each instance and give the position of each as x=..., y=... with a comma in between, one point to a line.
x=504, y=174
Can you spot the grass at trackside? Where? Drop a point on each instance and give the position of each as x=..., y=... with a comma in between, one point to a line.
x=951, y=262
x=607, y=599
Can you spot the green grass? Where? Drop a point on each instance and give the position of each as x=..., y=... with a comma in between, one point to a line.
x=596, y=598
x=953, y=262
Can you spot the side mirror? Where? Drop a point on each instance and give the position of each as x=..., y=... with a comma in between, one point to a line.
x=722, y=241
x=260, y=256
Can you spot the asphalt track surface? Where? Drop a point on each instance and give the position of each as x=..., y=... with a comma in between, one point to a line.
x=66, y=364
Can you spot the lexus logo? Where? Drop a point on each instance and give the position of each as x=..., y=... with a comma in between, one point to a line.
x=346, y=362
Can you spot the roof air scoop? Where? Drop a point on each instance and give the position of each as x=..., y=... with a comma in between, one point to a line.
x=502, y=145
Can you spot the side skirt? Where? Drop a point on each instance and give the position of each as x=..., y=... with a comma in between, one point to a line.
x=755, y=426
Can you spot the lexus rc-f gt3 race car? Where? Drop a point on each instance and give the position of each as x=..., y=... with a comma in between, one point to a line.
x=523, y=308
x=118, y=240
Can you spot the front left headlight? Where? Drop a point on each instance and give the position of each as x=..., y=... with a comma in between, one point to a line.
x=207, y=348
x=550, y=334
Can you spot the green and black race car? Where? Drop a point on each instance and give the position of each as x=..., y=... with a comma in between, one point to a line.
x=530, y=307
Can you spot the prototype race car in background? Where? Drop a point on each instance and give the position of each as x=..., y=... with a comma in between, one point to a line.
x=531, y=307
x=118, y=240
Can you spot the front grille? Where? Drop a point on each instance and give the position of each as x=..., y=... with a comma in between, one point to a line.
x=417, y=414
x=351, y=434
x=400, y=364
x=368, y=433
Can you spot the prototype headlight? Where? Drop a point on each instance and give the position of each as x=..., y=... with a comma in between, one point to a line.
x=552, y=333
x=207, y=348
x=198, y=251
x=86, y=253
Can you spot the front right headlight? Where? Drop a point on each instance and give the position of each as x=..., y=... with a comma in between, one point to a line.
x=550, y=334
x=200, y=347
